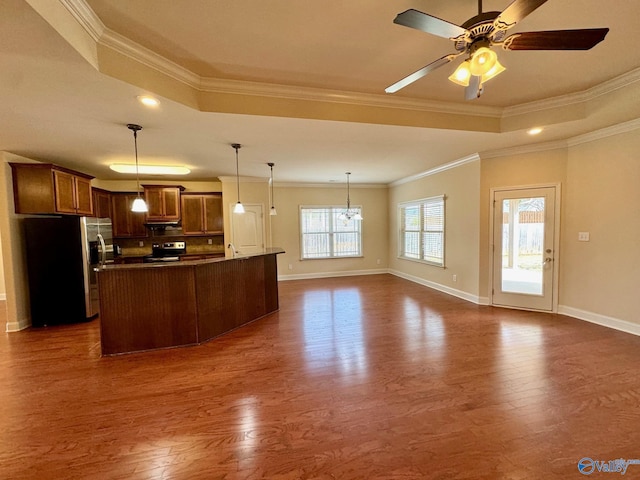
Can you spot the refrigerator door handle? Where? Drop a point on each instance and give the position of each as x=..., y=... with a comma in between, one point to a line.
x=103, y=250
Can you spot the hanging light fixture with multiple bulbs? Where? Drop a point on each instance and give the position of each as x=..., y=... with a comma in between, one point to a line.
x=349, y=214
x=139, y=205
x=272, y=210
x=239, y=208
x=482, y=62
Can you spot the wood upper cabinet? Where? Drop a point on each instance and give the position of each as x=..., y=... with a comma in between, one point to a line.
x=163, y=202
x=46, y=188
x=202, y=214
x=101, y=203
x=126, y=223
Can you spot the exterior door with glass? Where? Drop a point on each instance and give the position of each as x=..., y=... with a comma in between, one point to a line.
x=524, y=244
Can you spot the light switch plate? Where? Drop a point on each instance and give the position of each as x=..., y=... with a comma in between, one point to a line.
x=583, y=236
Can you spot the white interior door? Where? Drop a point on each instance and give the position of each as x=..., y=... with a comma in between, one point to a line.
x=523, y=248
x=247, y=229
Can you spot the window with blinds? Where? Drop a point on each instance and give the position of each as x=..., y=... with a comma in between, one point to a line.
x=324, y=235
x=422, y=230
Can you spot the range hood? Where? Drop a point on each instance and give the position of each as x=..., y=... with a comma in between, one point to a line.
x=163, y=225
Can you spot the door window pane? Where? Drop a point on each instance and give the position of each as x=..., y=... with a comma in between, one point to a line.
x=522, y=245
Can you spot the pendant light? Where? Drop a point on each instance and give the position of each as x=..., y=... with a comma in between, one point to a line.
x=272, y=211
x=238, y=208
x=139, y=205
x=349, y=214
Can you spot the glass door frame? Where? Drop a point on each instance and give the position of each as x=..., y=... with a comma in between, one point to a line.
x=497, y=257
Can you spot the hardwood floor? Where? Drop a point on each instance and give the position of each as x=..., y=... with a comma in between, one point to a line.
x=354, y=378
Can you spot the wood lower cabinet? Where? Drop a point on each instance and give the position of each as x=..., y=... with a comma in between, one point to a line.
x=47, y=188
x=163, y=203
x=101, y=203
x=202, y=214
x=125, y=223
x=144, y=307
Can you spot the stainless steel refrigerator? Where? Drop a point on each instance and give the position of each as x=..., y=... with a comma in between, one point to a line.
x=62, y=255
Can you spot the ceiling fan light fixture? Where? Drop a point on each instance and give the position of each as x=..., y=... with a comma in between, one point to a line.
x=483, y=60
x=494, y=72
x=462, y=74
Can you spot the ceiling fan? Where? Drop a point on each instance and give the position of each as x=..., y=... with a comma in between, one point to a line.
x=476, y=36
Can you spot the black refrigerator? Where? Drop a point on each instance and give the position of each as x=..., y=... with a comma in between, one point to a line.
x=62, y=255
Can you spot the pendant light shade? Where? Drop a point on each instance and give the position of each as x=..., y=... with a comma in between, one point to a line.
x=272, y=210
x=349, y=214
x=139, y=205
x=239, y=208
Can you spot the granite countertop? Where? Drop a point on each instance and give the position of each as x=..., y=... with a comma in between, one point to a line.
x=186, y=263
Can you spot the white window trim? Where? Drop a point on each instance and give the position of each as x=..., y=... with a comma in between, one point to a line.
x=337, y=208
x=401, y=230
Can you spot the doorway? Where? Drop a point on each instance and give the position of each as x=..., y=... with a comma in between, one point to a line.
x=247, y=229
x=525, y=244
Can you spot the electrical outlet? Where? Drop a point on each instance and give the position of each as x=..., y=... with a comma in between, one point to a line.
x=141, y=243
x=378, y=261
x=210, y=241
x=290, y=267
x=583, y=236
x=455, y=277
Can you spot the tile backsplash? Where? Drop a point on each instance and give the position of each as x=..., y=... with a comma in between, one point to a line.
x=131, y=246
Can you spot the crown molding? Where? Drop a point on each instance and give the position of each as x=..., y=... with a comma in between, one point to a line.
x=523, y=149
x=608, y=86
x=86, y=17
x=604, y=133
x=447, y=166
x=151, y=59
x=340, y=185
x=242, y=87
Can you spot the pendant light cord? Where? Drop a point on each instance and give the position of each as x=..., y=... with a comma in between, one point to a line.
x=135, y=128
x=135, y=146
x=237, y=146
x=271, y=167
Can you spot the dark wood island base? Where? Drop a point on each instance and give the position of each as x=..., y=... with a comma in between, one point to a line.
x=151, y=306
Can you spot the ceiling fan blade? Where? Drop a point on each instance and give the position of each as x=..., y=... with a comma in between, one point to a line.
x=515, y=12
x=420, y=73
x=556, y=39
x=427, y=23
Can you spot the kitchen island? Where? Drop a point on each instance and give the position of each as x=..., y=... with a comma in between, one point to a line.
x=149, y=306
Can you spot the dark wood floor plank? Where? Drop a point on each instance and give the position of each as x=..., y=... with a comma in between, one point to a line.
x=354, y=378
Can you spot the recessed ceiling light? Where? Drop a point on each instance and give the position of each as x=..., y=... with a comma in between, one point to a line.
x=148, y=101
x=150, y=169
x=534, y=130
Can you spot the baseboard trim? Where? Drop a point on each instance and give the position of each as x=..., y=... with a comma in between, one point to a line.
x=17, y=326
x=603, y=320
x=442, y=288
x=347, y=273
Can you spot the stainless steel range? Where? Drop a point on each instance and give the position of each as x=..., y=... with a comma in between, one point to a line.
x=166, y=252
